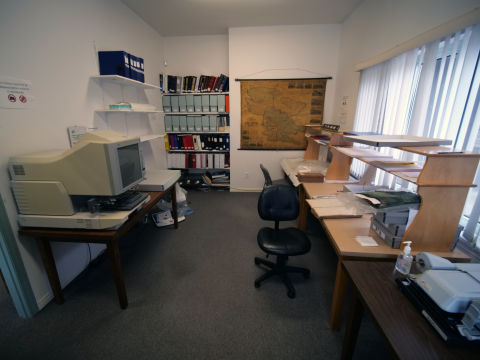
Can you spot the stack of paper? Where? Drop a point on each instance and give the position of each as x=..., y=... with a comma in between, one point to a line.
x=366, y=241
x=361, y=153
x=330, y=209
x=396, y=165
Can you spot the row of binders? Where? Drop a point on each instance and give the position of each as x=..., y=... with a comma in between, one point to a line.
x=189, y=84
x=196, y=103
x=198, y=161
x=207, y=142
x=206, y=123
x=121, y=63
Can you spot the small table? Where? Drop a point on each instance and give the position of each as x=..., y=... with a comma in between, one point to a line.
x=406, y=332
x=341, y=233
x=43, y=236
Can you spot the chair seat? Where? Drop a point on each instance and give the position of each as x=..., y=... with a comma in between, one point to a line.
x=290, y=241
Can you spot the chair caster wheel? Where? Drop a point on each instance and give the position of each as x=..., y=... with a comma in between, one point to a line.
x=257, y=284
x=291, y=294
x=306, y=275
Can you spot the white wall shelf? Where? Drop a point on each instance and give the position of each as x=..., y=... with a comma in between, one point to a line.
x=150, y=137
x=124, y=81
x=129, y=111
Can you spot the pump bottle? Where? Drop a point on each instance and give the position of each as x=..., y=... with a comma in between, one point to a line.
x=404, y=260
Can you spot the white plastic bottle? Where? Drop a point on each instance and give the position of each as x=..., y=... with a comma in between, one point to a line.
x=404, y=260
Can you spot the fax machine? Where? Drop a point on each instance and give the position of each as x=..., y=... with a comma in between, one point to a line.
x=448, y=295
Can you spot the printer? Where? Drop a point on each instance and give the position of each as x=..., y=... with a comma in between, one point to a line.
x=87, y=186
x=447, y=295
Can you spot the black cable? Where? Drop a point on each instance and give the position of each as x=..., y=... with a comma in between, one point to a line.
x=84, y=280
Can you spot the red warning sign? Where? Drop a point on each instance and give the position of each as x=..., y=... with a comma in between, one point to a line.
x=22, y=98
x=12, y=98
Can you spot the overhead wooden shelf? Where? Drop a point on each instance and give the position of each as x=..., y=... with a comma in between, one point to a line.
x=396, y=140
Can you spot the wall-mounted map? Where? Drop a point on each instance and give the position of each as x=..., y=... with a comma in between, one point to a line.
x=274, y=112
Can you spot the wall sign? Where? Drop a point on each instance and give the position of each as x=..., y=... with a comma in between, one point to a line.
x=16, y=93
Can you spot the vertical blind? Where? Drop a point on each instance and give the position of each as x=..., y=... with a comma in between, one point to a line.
x=431, y=91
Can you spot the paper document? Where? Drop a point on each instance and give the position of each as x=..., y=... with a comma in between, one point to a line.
x=324, y=197
x=323, y=203
x=337, y=212
x=366, y=241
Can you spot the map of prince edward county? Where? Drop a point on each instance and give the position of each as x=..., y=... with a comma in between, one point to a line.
x=274, y=112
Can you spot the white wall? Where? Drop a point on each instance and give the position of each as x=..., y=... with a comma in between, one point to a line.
x=50, y=42
x=251, y=50
x=379, y=25
x=196, y=55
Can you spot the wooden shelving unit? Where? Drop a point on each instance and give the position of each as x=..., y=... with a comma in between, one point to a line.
x=443, y=185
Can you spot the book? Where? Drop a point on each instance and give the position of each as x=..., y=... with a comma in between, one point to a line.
x=227, y=103
x=167, y=143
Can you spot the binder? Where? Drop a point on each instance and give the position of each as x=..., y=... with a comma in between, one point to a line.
x=221, y=123
x=166, y=104
x=172, y=142
x=195, y=145
x=217, y=161
x=174, y=104
x=178, y=87
x=114, y=63
x=210, y=161
x=227, y=103
x=198, y=123
x=206, y=103
x=221, y=103
x=169, y=161
x=182, y=103
x=199, y=142
x=213, y=103
x=167, y=143
x=216, y=144
x=221, y=142
x=202, y=142
x=133, y=67
x=183, y=123
x=168, y=123
x=176, y=123
x=191, y=123
x=197, y=99
x=206, y=123
x=190, y=103
x=222, y=161
x=227, y=123
x=227, y=142
x=213, y=123
x=141, y=70
x=175, y=139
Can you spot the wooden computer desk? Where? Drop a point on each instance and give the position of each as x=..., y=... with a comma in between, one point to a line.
x=43, y=236
x=341, y=233
x=404, y=329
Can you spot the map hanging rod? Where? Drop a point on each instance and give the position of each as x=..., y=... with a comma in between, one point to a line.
x=322, y=76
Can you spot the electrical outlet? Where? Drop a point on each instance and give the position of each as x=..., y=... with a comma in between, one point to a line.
x=247, y=175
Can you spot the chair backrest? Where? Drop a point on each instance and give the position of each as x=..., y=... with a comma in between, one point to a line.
x=278, y=203
x=266, y=174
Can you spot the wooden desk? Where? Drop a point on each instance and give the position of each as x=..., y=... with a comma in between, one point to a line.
x=341, y=233
x=406, y=332
x=43, y=236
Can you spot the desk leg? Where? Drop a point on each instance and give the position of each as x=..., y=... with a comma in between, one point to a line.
x=341, y=282
x=46, y=253
x=302, y=216
x=354, y=321
x=114, y=256
x=173, y=194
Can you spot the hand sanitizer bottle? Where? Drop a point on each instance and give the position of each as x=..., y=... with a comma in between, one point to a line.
x=404, y=260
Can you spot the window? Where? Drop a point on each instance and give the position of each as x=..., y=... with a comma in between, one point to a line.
x=430, y=91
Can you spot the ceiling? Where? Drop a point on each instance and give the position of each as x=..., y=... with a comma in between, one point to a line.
x=214, y=17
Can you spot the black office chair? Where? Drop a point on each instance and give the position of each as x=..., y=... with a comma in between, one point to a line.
x=268, y=179
x=280, y=203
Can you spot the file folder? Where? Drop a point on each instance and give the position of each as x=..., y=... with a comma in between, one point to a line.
x=166, y=104
x=133, y=67
x=213, y=123
x=174, y=104
x=198, y=103
x=191, y=123
x=168, y=123
x=141, y=71
x=179, y=84
x=183, y=123
x=182, y=103
x=175, y=123
x=206, y=123
x=213, y=103
x=190, y=103
x=114, y=63
x=221, y=103
x=198, y=123
x=206, y=103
